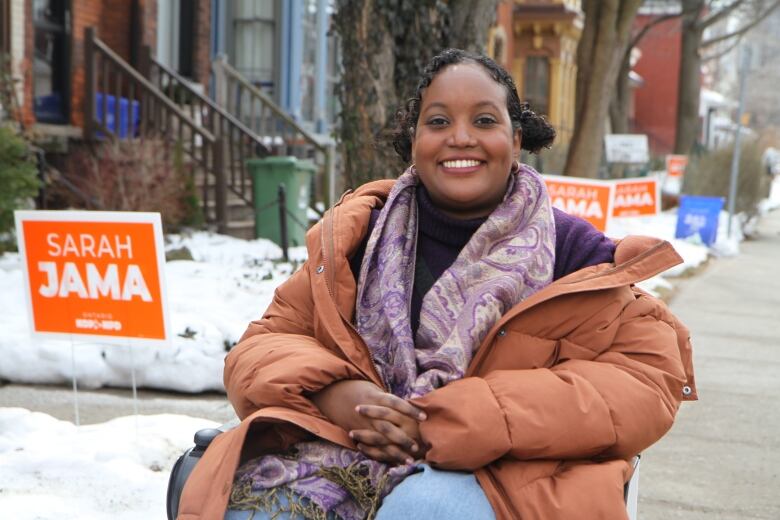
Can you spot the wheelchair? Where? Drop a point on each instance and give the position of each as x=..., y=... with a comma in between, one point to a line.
x=187, y=461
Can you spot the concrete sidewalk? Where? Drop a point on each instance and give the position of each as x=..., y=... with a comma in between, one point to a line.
x=722, y=458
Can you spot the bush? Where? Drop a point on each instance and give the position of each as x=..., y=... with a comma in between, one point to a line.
x=148, y=175
x=710, y=174
x=18, y=176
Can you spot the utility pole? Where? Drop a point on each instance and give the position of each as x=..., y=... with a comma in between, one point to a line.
x=743, y=72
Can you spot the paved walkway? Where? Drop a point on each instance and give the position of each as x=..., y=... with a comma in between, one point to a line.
x=722, y=458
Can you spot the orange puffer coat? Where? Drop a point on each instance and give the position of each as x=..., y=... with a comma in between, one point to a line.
x=567, y=386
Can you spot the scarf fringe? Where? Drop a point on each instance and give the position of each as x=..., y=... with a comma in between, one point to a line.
x=353, y=479
x=242, y=498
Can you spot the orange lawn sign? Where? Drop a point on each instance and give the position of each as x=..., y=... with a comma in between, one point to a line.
x=586, y=198
x=94, y=275
x=675, y=166
x=636, y=197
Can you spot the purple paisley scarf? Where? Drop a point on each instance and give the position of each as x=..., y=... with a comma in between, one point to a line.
x=510, y=257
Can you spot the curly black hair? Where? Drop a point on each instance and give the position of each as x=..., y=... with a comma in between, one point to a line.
x=535, y=130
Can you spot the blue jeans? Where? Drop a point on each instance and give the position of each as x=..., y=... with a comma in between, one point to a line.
x=429, y=494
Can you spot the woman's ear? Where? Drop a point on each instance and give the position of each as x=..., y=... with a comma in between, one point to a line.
x=413, y=141
x=517, y=141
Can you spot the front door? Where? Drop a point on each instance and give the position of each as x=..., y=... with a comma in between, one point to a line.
x=51, y=62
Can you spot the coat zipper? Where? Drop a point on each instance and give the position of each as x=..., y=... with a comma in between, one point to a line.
x=327, y=237
x=504, y=496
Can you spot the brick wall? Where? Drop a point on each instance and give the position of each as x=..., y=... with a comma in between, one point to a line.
x=26, y=68
x=655, y=102
x=202, y=42
x=113, y=21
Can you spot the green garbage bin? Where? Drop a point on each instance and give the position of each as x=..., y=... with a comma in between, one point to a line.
x=267, y=175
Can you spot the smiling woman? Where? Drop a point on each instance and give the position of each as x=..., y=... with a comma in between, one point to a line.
x=454, y=347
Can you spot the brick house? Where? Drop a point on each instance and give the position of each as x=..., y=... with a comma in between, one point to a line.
x=45, y=39
x=655, y=101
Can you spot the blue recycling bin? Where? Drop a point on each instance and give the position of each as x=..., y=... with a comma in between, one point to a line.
x=129, y=115
x=698, y=215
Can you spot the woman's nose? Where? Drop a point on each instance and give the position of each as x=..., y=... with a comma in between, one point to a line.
x=461, y=136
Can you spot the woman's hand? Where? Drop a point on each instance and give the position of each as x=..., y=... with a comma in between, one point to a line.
x=384, y=427
x=391, y=422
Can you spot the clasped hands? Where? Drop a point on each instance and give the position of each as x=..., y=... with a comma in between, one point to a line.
x=383, y=426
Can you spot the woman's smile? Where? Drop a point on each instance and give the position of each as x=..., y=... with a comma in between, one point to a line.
x=460, y=166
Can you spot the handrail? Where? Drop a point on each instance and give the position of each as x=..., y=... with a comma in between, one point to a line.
x=277, y=111
x=275, y=127
x=134, y=96
x=207, y=101
x=130, y=71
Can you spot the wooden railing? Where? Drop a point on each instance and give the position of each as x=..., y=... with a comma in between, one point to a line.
x=274, y=128
x=238, y=143
x=110, y=78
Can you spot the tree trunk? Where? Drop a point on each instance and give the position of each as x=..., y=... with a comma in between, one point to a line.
x=600, y=52
x=621, y=102
x=365, y=91
x=470, y=22
x=689, y=86
x=385, y=46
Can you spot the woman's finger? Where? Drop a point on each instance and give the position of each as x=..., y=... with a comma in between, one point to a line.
x=368, y=437
x=406, y=408
x=395, y=434
x=383, y=413
x=390, y=453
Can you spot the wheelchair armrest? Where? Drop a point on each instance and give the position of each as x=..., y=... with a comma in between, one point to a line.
x=631, y=490
x=186, y=463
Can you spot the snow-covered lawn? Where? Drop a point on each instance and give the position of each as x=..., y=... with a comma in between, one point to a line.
x=211, y=299
x=53, y=470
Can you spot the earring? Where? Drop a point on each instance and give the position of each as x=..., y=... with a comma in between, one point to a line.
x=515, y=166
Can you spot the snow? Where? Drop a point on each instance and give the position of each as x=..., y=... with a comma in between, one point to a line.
x=211, y=300
x=51, y=469
x=213, y=297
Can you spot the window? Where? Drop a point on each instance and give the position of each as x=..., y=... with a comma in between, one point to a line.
x=5, y=27
x=309, y=62
x=537, y=84
x=50, y=62
x=320, y=113
x=254, y=40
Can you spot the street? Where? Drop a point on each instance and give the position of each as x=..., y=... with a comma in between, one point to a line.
x=722, y=458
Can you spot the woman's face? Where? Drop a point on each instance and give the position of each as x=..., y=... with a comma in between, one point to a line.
x=463, y=144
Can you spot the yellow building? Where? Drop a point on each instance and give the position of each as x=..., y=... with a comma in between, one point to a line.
x=542, y=56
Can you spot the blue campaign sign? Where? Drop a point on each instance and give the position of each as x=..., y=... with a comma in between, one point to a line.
x=698, y=215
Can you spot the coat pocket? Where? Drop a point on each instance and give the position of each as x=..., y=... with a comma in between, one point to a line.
x=518, y=351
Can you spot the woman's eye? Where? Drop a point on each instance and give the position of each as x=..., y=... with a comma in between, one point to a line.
x=486, y=120
x=437, y=121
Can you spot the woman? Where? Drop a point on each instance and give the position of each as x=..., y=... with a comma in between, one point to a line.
x=454, y=347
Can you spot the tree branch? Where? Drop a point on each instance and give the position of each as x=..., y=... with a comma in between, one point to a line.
x=722, y=53
x=719, y=15
x=646, y=28
x=742, y=30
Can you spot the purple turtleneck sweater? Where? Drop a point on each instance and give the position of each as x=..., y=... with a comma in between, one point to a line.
x=577, y=244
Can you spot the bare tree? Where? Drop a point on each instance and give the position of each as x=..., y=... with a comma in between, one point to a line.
x=621, y=101
x=698, y=15
x=602, y=47
x=385, y=45
x=763, y=97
